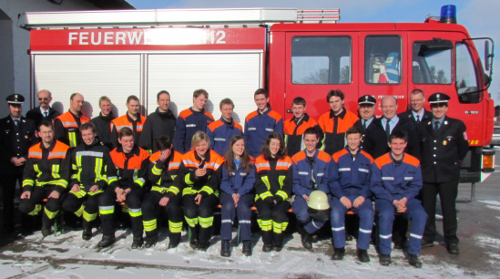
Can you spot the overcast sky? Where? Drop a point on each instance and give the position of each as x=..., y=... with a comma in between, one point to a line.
x=480, y=17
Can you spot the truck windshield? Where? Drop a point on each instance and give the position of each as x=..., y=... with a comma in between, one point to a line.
x=383, y=59
x=431, y=66
x=321, y=60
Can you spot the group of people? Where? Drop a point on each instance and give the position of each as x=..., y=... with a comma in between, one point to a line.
x=187, y=165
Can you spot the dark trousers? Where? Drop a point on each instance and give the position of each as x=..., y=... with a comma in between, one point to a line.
x=229, y=211
x=272, y=220
x=86, y=206
x=33, y=205
x=150, y=205
x=202, y=214
x=107, y=201
x=8, y=182
x=447, y=194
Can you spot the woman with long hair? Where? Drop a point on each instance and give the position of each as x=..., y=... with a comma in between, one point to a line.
x=200, y=174
x=238, y=178
x=273, y=187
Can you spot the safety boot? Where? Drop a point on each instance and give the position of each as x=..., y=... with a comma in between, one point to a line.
x=45, y=231
x=338, y=254
x=106, y=240
x=267, y=238
x=194, y=241
x=278, y=242
x=384, y=259
x=203, y=246
x=363, y=256
x=247, y=247
x=307, y=240
x=225, y=249
x=414, y=261
x=150, y=242
x=175, y=239
x=137, y=242
x=87, y=233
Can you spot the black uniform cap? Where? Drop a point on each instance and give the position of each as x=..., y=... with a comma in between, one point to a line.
x=15, y=99
x=367, y=100
x=438, y=97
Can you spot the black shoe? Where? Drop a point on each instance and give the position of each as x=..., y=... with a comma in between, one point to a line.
x=363, y=256
x=106, y=240
x=348, y=237
x=278, y=241
x=151, y=242
x=427, y=243
x=247, y=247
x=137, y=242
x=203, y=246
x=277, y=247
x=338, y=254
x=45, y=231
x=87, y=234
x=266, y=248
x=453, y=249
x=307, y=240
x=413, y=260
x=194, y=242
x=175, y=239
x=225, y=249
x=399, y=245
x=385, y=260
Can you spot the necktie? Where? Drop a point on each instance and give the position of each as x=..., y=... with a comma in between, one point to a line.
x=46, y=113
x=388, y=128
x=364, y=124
x=418, y=119
x=16, y=122
x=436, y=128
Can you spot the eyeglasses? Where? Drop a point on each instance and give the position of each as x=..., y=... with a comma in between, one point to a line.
x=43, y=99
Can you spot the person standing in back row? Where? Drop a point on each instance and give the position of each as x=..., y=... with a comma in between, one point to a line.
x=222, y=131
x=443, y=141
x=159, y=123
x=102, y=122
x=43, y=111
x=416, y=113
x=295, y=127
x=66, y=125
x=192, y=120
x=261, y=123
x=132, y=120
x=335, y=122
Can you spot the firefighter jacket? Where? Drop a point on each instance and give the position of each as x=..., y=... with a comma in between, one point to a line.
x=239, y=182
x=103, y=128
x=334, y=128
x=163, y=174
x=130, y=169
x=91, y=165
x=66, y=128
x=273, y=179
x=443, y=151
x=207, y=184
x=188, y=123
x=220, y=133
x=47, y=166
x=294, y=130
x=258, y=126
x=157, y=124
x=310, y=173
x=126, y=121
x=393, y=180
x=15, y=141
x=374, y=139
x=349, y=175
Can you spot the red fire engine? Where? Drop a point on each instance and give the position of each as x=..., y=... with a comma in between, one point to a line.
x=232, y=52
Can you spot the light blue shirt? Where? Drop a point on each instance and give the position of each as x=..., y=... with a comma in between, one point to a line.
x=439, y=121
x=367, y=122
x=394, y=121
x=420, y=114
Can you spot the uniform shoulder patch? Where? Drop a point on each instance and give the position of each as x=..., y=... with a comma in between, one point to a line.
x=251, y=115
x=299, y=156
x=383, y=160
x=322, y=155
x=185, y=113
x=275, y=115
x=214, y=125
x=339, y=154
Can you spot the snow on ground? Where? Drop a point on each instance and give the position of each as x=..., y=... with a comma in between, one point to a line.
x=68, y=256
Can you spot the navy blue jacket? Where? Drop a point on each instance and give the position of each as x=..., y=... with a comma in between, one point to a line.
x=301, y=183
x=220, y=133
x=188, y=123
x=258, y=126
x=240, y=182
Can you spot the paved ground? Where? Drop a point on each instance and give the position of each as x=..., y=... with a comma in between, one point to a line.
x=67, y=256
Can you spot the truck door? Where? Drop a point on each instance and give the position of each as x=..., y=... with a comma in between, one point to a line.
x=317, y=63
x=384, y=63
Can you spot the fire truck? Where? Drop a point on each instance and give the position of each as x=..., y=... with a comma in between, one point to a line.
x=232, y=52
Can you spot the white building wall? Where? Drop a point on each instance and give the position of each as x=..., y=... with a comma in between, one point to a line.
x=20, y=41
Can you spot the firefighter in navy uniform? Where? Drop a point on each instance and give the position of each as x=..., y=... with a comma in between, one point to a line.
x=46, y=176
x=273, y=188
x=165, y=194
x=126, y=184
x=16, y=137
x=443, y=142
x=200, y=175
x=374, y=140
x=66, y=125
x=91, y=163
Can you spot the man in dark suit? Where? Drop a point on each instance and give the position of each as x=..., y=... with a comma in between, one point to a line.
x=43, y=111
x=417, y=113
x=443, y=142
x=16, y=135
x=374, y=140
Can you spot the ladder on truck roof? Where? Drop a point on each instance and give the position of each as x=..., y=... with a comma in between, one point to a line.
x=174, y=17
